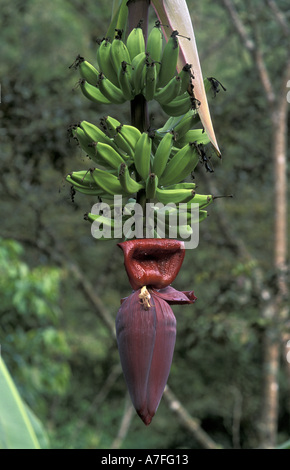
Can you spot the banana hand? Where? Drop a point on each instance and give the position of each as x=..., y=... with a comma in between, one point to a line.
x=178, y=168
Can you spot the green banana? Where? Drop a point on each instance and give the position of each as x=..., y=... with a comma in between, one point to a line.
x=184, y=230
x=104, y=61
x=84, y=142
x=92, y=92
x=175, y=196
x=203, y=200
x=82, y=178
x=123, y=143
x=185, y=76
x=88, y=191
x=98, y=159
x=207, y=85
x=119, y=52
x=212, y=84
x=111, y=125
x=107, y=224
x=178, y=168
x=169, y=217
x=199, y=136
x=108, y=182
x=128, y=184
x=135, y=42
x=108, y=155
x=110, y=91
x=155, y=45
x=172, y=216
x=172, y=123
x=87, y=70
x=185, y=124
x=202, y=215
x=181, y=186
x=166, y=94
x=162, y=154
x=138, y=72
x=131, y=134
x=93, y=189
x=150, y=81
x=124, y=81
x=114, y=128
x=151, y=186
x=180, y=105
x=91, y=217
x=142, y=155
x=95, y=134
x=119, y=18
x=169, y=60
x=173, y=230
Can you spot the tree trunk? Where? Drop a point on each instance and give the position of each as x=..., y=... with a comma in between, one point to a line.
x=277, y=312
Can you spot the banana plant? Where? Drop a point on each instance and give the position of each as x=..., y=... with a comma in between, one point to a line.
x=140, y=164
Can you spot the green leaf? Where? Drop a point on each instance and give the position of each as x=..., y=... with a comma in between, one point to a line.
x=16, y=429
x=38, y=429
x=285, y=445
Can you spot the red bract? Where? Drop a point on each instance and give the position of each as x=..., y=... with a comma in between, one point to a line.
x=152, y=262
x=146, y=339
x=175, y=297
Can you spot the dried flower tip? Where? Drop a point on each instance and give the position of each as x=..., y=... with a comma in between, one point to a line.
x=144, y=297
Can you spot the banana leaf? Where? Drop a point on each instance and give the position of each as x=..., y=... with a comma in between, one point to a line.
x=285, y=445
x=16, y=424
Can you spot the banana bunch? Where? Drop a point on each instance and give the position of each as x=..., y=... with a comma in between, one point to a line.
x=150, y=165
x=127, y=69
x=111, y=148
x=128, y=161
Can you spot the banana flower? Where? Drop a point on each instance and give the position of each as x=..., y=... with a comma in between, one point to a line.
x=145, y=322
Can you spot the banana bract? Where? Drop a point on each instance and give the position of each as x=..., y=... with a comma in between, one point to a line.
x=152, y=262
x=175, y=14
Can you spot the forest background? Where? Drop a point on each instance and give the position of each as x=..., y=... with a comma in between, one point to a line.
x=60, y=289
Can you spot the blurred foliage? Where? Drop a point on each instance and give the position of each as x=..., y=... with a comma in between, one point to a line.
x=62, y=357
x=30, y=324
x=19, y=427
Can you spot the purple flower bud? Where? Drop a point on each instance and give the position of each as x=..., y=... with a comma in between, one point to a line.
x=146, y=339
